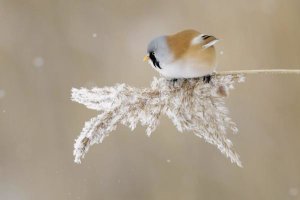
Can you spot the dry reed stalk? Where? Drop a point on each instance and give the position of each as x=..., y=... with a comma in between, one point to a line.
x=189, y=103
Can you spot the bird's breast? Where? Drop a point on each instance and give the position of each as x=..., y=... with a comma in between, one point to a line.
x=186, y=69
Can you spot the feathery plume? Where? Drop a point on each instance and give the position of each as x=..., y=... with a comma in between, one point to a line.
x=190, y=104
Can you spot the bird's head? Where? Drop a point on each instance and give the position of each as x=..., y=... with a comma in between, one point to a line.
x=158, y=52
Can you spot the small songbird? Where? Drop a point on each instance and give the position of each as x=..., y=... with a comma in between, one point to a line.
x=187, y=54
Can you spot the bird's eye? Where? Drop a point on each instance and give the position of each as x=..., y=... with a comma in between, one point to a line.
x=152, y=53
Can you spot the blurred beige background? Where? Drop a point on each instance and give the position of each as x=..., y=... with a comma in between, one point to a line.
x=48, y=46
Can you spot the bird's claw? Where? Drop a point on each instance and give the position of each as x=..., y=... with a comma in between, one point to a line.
x=207, y=79
x=174, y=80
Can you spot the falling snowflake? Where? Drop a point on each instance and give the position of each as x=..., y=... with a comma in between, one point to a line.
x=293, y=191
x=38, y=62
x=2, y=93
x=95, y=35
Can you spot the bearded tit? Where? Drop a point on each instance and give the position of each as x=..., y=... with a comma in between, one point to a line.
x=187, y=54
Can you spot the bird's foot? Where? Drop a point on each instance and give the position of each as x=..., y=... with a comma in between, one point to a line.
x=173, y=81
x=207, y=79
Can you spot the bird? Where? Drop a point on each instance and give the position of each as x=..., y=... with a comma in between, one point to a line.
x=186, y=54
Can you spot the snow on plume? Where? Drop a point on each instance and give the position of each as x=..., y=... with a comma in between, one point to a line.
x=189, y=103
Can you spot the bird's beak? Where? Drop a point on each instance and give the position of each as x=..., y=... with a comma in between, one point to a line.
x=146, y=58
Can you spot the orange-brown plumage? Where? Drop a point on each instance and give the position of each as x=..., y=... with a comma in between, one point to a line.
x=180, y=42
x=180, y=45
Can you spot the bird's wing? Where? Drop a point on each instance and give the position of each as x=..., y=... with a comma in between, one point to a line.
x=210, y=43
x=197, y=40
x=205, y=40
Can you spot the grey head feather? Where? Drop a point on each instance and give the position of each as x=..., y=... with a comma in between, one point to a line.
x=160, y=48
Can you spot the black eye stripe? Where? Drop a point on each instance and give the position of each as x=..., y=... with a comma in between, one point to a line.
x=154, y=60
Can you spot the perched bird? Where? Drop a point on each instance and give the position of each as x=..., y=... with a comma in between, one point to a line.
x=187, y=54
